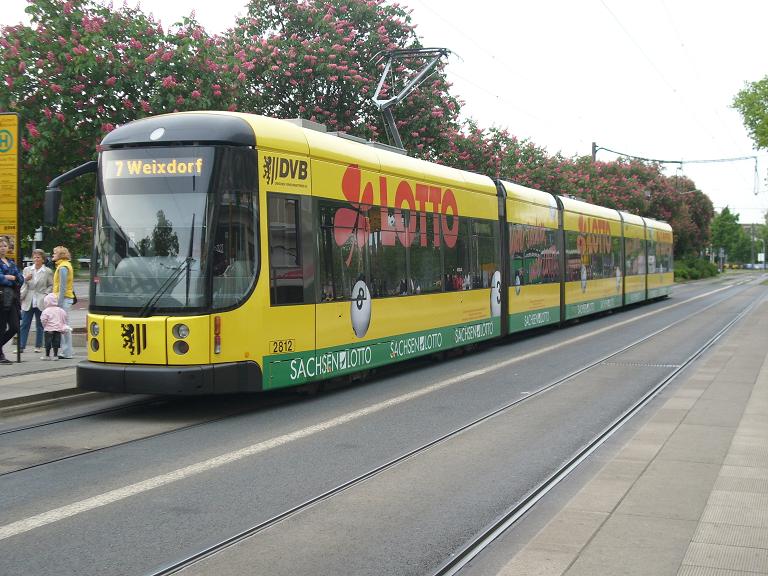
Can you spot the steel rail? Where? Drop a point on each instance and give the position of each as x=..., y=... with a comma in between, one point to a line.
x=178, y=565
x=139, y=404
x=512, y=515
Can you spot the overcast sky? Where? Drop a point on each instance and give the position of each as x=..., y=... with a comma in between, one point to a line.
x=653, y=79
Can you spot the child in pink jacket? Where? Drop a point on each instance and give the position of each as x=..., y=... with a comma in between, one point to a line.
x=54, y=319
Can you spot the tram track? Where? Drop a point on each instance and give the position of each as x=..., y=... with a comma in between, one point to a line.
x=164, y=401
x=159, y=402
x=73, y=417
x=491, y=533
x=473, y=548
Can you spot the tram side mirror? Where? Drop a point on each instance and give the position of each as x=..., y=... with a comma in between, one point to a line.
x=52, y=204
x=53, y=191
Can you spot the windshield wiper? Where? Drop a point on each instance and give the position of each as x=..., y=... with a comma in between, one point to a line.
x=169, y=284
x=173, y=279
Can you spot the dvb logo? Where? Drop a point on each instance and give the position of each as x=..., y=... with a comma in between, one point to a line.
x=284, y=168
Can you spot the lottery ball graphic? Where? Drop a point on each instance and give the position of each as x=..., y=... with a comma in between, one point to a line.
x=496, y=294
x=360, y=308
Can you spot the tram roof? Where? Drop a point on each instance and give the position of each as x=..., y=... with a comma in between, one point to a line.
x=529, y=195
x=657, y=224
x=630, y=218
x=581, y=207
x=287, y=136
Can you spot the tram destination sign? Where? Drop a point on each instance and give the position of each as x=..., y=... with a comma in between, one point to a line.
x=9, y=180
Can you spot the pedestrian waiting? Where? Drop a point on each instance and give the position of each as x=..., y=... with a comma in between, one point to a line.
x=54, y=320
x=10, y=282
x=38, y=281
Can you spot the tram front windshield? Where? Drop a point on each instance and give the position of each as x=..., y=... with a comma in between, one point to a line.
x=157, y=244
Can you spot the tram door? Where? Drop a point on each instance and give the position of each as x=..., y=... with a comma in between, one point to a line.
x=290, y=323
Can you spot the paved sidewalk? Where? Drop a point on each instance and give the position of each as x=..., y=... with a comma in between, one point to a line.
x=34, y=379
x=688, y=495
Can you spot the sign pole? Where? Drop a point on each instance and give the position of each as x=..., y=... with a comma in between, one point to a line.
x=10, y=163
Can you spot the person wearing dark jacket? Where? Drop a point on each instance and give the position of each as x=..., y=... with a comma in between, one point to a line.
x=10, y=282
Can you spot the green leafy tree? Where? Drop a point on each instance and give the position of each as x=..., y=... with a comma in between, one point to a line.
x=79, y=70
x=728, y=234
x=318, y=60
x=83, y=68
x=752, y=104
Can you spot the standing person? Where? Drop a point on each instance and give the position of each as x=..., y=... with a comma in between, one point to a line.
x=10, y=280
x=63, y=279
x=38, y=281
x=54, y=320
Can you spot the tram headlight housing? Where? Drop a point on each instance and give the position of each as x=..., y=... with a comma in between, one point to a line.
x=180, y=347
x=181, y=331
x=94, y=329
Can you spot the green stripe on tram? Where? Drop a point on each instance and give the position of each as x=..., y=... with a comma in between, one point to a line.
x=291, y=369
x=591, y=307
x=633, y=297
x=534, y=318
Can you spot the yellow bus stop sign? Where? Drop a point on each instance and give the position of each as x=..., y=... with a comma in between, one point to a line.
x=9, y=181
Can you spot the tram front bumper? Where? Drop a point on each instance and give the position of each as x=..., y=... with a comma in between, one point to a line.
x=228, y=378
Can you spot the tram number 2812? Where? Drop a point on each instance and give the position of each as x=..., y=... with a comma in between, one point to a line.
x=281, y=346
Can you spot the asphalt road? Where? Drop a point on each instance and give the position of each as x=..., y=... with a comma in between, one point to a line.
x=130, y=491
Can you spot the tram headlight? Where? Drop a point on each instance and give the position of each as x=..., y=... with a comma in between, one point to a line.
x=180, y=331
x=94, y=329
x=180, y=347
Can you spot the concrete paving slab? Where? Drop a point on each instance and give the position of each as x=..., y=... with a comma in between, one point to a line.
x=705, y=571
x=731, y=535
x=721, y=412
x=537, y=562
x=744, y=472
x=670, y=415
x=671, y=489
x=635, y=546
x=727, y=557
x=748, y=460
x=570, y=531
x=641, y=451
x=695, y=443
x=735, y=499
x=730, y=390
x=735, y=516
x=737, y=484
x=604, y=492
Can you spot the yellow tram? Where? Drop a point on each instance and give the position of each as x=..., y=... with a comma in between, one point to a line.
x=235, y=252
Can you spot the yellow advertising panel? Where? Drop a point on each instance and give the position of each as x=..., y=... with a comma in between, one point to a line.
x=530, y=206
x=521, y=212
x=634, y=226
x=364, y=188
x=589, y=218
x=9, y=181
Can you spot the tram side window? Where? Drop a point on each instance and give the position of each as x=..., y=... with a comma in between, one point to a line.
x=534, y=254
x=426, y=265
x=653, y=256
x=485, y=241
x=285, y=267
x=344, y=235
x=387, y=254
x=574, y=258
x=235, y=258
x=599, y=254
x=456, y=253
x=664, y=257
x=634, y=252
